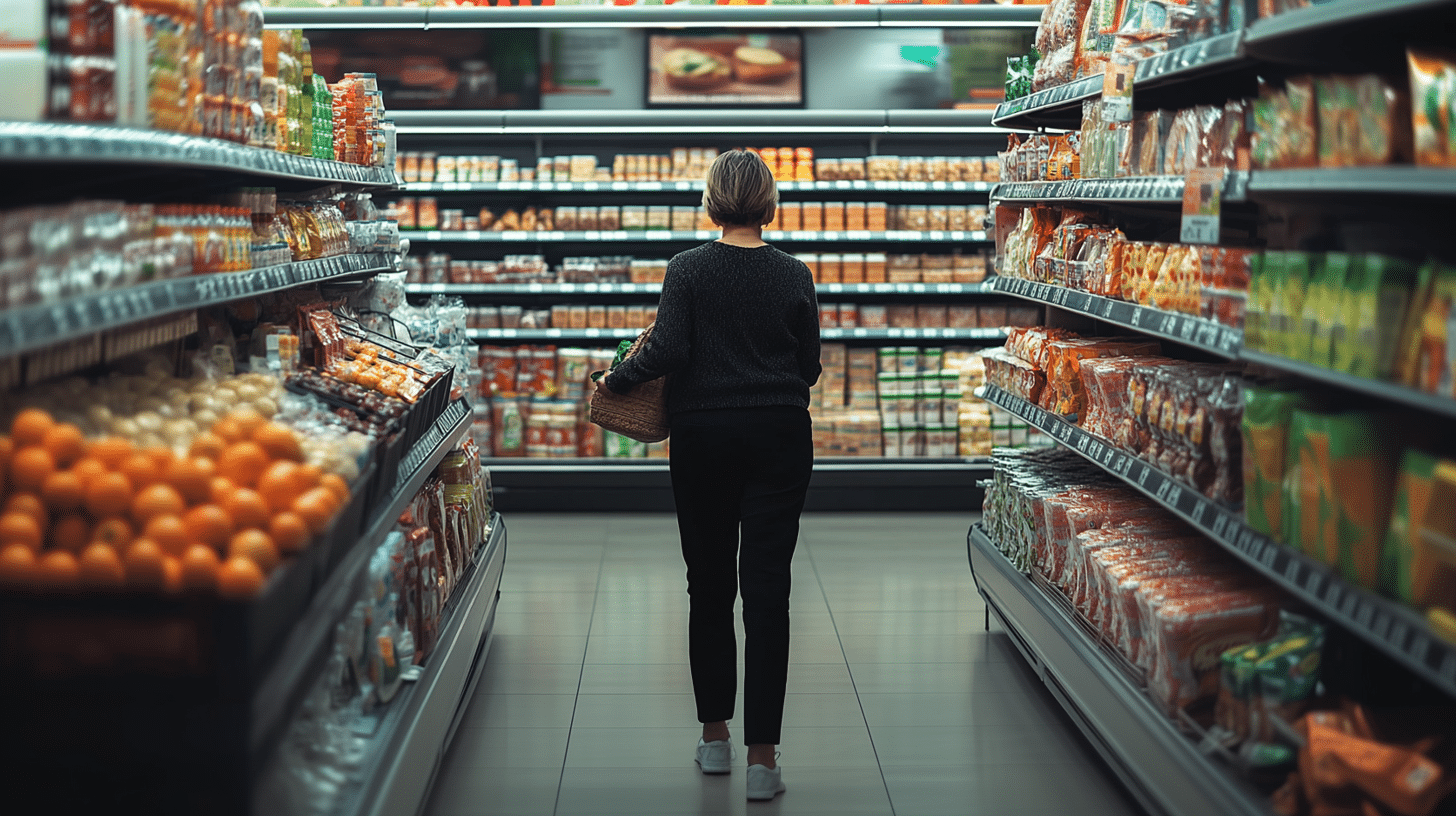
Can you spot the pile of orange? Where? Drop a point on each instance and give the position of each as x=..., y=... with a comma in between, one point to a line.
x=102, y=515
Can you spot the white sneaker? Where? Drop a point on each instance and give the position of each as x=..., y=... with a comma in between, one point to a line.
x=764, y=783
x=715, y=757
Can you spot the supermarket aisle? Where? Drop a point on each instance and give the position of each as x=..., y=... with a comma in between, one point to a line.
x=899, y=702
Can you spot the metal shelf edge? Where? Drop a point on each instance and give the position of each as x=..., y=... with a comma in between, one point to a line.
x=1376, y=388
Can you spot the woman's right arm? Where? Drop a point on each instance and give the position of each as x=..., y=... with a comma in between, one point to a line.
x=667, y=350
x=807, y=331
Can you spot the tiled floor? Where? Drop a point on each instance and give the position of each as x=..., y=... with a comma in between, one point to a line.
x=899, y=701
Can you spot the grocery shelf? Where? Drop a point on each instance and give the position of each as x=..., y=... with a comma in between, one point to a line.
x=1207, y=335
x=302, y=654
x=669, y=236
x=601, y=335
x=687, y=186
x=1394, y=180
x=1061, y=106
x=1393, y=628
x=413, y=732
x=1164, y=769
x=84, y=144
x=27, y=328
x=507, y=464
x=1394, y=392
x=984, y=288
x=695, y=122
x=1134, y=190
x=1308, y=34
x=653, y=16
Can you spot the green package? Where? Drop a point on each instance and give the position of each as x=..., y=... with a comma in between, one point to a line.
x=1383, y=288
x=1307, y=455
x=1408, y=352
x=1336, y=270
x=1357, y=489
x=1265, y=431
x=1286, y=676
x=1291, y=289
x=1236, y=688
x=1256, y=313
x=1414, y=488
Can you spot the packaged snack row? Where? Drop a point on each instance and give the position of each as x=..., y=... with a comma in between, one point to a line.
x=927, y=315
x=561, y=316
x=878, y=267
x=1080, y=250
x=1170, y=601
x=1078, y=38
x=1337, y=121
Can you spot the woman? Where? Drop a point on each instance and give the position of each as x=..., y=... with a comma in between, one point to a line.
x=738, y=330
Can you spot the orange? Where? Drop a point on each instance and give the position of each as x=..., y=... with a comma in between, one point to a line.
x=58, y=569
x=109, y=495
x=249, y=421
x=101, y=567
x=207, y=445
x=143, y=564
x=88, y=468
x=112, y=451
x=71, y=532
x=279, y=442
x=247, y=508
x=65, y=443
x=257, y=545
x=20, y=528
x=7, y=450
x=209, y=524
x=169, y=532
x=317, y=508
x=199, y=568
x=29, y=468
x=337, y=486
x=30, y=427
x=220, y=490
x=171, y=574
x=279, y=485
x=141, y=470
x=156, y=500
x=17, y=565
x=31, y=505
x=310, y=475
x=289, y=531
x=62, y=491
x=161, y=457
x=113, y=532
x=239, y=579
x=243, y=463
x=229, y=430
x=192, y=477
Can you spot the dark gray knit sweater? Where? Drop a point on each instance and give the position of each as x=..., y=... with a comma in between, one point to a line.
x=736, y=328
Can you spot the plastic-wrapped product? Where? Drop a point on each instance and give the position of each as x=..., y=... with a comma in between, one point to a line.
x=1186, y=633
x=1432, y=88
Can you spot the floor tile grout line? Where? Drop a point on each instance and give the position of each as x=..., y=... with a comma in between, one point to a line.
x=819, y=579
x=576, y=700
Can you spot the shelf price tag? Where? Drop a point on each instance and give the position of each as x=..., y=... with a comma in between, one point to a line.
x=1117, y=92
x=1202, y=205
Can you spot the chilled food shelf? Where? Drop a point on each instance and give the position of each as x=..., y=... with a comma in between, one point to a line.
x=409, y=737
x=27, y=328
x=601, y=335
x=1393, y=628
x=678, y=186
x=680, y=236
x=1061, y=106
x=1163, y=768
x=552, y=289
x=1436, y=404
x=84, y=144
x=303, y=652
x=1207, y=335
x=652, y=16
x=1135, y=190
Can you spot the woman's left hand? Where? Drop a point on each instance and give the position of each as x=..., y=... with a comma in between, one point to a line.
x=602, y=385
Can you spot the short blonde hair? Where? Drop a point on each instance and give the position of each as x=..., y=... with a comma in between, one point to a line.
x=740, y=190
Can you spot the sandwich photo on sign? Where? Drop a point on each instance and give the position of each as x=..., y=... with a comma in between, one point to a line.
x=724, y=70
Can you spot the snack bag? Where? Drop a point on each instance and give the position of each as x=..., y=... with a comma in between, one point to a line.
x=1321, y=306
x=1433, y=562
x=1335, y=98
x=1403, y=551
x=1408, y=356
x=1286, y=306
x=1432, y=86
x=1436, y=357
x=1256, y=313
x=1383, y=122
x=1307, y=458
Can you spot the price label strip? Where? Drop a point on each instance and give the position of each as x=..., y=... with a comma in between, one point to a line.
x=1117, y=92
x=1202, y=205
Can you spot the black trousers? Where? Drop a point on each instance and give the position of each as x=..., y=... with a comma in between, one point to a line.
x=740, y=469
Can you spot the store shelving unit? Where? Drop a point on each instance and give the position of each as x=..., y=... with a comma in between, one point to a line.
x=605, y=124
x=653, y=16
x=598, y=335
x=1165, y=770
x=553, y=289
x=694, y=236
x=1391, y=627
x=688, y=186
x=1138, y=190
x=32, y=327
x=1240, y=186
